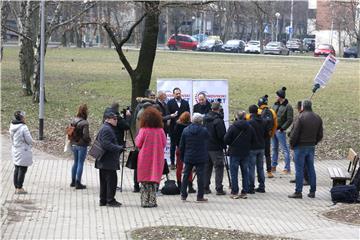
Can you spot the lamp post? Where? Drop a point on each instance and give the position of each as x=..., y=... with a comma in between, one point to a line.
x=192, y=24
x=277, y=15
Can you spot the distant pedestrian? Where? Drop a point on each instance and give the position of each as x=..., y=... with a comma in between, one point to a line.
x=109, y=162
x=285, y=115
x=307, y=133
x=194, y=152
x=21, y=149
x=215, y=125
x=79, y=141
x=239, y=137
x=151, y=141
x=181, y=124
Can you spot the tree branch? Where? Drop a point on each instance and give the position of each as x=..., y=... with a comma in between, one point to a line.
x=17, y=32
x=123, y=41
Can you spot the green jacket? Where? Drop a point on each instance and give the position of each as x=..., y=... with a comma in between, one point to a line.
x=285, y=114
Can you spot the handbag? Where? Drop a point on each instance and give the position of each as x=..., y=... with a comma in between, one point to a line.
x=96, y=150
x=132, y=159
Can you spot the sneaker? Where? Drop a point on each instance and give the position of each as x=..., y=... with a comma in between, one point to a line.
x=202, y=200
x=270, y=175
x=273, y=169
x=295, y=195
x=220, y=193
x=243, y=196
x=207, y=191
x=260, y=190
x=114, y=204
x=234, y=196
x=286, y=172
x=311, y=195
x=21, y=191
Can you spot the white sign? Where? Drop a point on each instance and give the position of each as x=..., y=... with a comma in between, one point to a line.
x=326, y=70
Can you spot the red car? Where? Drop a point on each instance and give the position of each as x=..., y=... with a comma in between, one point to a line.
x=182, y=41
x=324, y=50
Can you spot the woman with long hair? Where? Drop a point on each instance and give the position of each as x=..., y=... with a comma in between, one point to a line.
x=183, y=121
x=151, y=142
x=80, y=140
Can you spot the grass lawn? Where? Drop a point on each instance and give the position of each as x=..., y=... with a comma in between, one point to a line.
x=96, y=77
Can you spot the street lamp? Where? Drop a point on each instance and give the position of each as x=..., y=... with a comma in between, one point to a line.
x=192, y=25
x=277, y=15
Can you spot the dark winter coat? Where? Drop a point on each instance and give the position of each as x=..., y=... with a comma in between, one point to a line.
x=203, y=109
x=81, y=134
x=165, y=114
x=107, y=138
x=258, y=125
x=285, y=114
x=307, y=130
x=239, y=146
x=173, y=107
x=179, y=128
x=194, y=144
x=214, y=123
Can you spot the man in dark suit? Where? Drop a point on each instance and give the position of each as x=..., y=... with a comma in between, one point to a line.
x=203, y=106
x=177, y=106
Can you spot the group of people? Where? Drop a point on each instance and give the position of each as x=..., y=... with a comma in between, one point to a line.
x=199, y=144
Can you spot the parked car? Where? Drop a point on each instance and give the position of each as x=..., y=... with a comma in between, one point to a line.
x=309, y=43
x=351, y=52
x=234, y=45
x=252, y=47
x=182, y=41
x=295, y=45
x=276, y=48
x=324, y=50
x=210, y=45
x=200, y=37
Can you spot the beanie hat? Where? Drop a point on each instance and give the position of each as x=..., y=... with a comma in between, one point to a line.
x=253, y=109
x=109, y=113
x=263, y=100
x=281, y=92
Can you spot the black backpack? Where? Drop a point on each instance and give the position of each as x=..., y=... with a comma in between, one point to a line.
x=268, y=119
x=344, y=194
x=170, y=188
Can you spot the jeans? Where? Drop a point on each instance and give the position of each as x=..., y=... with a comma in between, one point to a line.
x=304, y=155
x=79, y=158
x=280, y=139
x=235, y=162
x=216, y=160
x=200, y=172
x=256, y=159
x=19, y=176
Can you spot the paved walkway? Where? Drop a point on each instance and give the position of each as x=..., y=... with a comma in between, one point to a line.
x=54, y=210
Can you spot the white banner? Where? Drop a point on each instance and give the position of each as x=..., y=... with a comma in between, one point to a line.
x=326, y=70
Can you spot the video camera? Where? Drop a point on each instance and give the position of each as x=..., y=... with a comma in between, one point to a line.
x=123, y=112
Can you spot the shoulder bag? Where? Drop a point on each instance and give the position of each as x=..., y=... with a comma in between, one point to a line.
x=96, y=150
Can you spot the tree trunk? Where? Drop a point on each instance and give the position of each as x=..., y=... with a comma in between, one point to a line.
x=36, y=78
x=4, y=16
x=140, y=79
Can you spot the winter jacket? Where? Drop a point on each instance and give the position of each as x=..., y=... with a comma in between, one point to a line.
x=307, y=130
x=107, y=138
x=82, y=136
x=165, y=114
x=273, y=130
x=260, y=132
x=179, y=128
x=285, y=114
x=21, y=142
x=215, y=125
x=194, y=144
x=239, y=145
x=203, y=109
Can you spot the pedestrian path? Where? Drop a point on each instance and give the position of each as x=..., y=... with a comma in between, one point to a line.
x=54, y=210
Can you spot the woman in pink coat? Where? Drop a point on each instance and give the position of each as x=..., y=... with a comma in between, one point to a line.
x=151, y=142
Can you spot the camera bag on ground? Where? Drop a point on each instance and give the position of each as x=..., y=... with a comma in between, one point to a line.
x=344, y=194
x=170, y=187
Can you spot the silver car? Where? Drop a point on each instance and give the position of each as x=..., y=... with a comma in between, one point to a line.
x=277, y=48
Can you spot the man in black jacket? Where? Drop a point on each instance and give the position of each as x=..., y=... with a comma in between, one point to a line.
x=257, y=151
x=203, y=106
x=177, y=106
x=307, y=132
x=216, y=127
x=109, y=162
x=239, y=137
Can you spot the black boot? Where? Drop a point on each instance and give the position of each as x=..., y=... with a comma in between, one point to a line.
x=72, y=184
x=78, y=185
x=136, y=188
x=191, y=189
